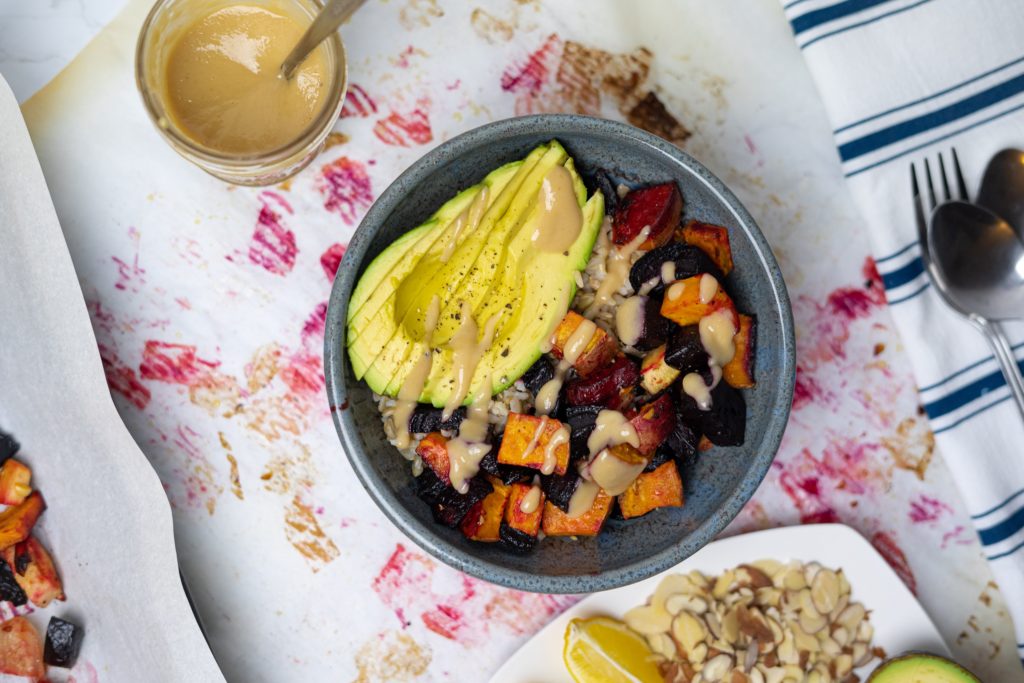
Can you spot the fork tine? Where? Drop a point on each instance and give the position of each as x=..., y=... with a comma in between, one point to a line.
x=931, y=187
x=960, y=184
x=942, y=176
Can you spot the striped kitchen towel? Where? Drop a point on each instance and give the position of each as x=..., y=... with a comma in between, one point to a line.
x=901, y=80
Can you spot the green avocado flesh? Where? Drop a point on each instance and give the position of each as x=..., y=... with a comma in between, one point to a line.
x=921, y=668
x=475, y=251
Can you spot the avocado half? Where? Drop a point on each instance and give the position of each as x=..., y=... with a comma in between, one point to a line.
x=476, y=250
x=921, y=668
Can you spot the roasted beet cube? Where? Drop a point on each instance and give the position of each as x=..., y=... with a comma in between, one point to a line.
x=9, y=446
x=661, y=456
x=657, y=207
x=681, y=442
x=507, y=474
x=605, y=385
x=451, y=506
x=63, y=641
x=686, y=261
x=517, y=540
x=558, y=489
x=653, y=424
x=427, y=418
x=10, y=591
x=725, y=423
x=539, y=374
x=433, y=449
x=640, y=324
x=598, y=346
x=684, y=350
x=606, y=185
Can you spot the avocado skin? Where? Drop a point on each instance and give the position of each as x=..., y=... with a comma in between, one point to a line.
x=921, y=667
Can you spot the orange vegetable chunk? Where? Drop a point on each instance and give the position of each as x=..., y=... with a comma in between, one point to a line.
x=651, y=490
x=515, y=444
x=558, y=523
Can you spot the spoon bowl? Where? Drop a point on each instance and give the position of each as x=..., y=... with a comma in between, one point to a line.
x=1002, y=187
x=979, y=259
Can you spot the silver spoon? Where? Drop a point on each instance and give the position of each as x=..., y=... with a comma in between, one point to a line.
x=977, y=264
x=1002, y=187
x=326, y=22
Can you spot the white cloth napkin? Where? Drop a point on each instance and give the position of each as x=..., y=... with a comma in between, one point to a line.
x=902, y=80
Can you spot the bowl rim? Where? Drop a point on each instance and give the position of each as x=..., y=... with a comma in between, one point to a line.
x=425, y=535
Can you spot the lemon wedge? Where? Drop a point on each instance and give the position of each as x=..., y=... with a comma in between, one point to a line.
x=604, y=650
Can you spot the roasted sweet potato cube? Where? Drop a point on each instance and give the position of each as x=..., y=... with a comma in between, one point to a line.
x=599, y=350
x=21, y=650
x=527, y=522
x=683, y=304
x=34, y=571
x=15, y=482
x=16, y=522
x=713, y=240
x=739, y=372
x=519, y=435
x=704, y=444
x=483, y=521
x=658, y=489
x=656, y=208
x=434, y=451
x=656, y=374
x=653, y=424
x=558, y=523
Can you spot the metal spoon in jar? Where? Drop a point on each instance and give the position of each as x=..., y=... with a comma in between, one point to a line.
x=978, y=269
x=334, y=13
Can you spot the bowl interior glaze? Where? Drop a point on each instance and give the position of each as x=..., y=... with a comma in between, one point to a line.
x=717, y=483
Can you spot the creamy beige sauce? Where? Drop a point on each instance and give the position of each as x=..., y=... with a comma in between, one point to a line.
x=547, y=397
x=557, y=439
x=629, y=319
x=412, y=387
x=668, y=271
x=708, y=287
x=559, y=218
x=466, y=354
x=531, y=501
x=583, y=499
x=537, y=434
x=467, y=221
x=716, y=336
x=578, y=341
x=222, y=87
x=612, y=474
x=695, y=388
x=467, y=450
x=616, y=267
x=612, y=429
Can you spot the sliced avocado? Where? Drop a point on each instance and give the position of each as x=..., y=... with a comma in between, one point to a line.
x=921, y=668
x=373, y=298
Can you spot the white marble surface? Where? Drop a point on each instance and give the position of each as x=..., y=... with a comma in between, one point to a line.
x=39, y=37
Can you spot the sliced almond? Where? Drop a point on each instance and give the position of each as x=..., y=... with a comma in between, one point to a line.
x=804, y=641
x=830, y=647
x=730, y=626
x=851, y=617
x=769, y=567
x=698, y=655
x=648, y=620
x=861, y=654
x=806, y=602
x=786, y=650
x=756, y=676
x=844, y=666
x=841, y=635
x=671, y=585
x=865, y=631
x=714, y=625
x=663, y=645
x=737, y=676
x=841, y=604
x=811, y=622
x=776, y=629
x=722, y=584
x=688, y=631
x=752, y=576
x=774, y=674
x=674, y=604
x=716, y=668
x=825, y=591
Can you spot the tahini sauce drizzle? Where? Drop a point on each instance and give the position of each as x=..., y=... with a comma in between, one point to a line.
x=583, y=499
x=557, y=439
x=708, y=287
x=466, y=354
x=531, y=501
x=612, y=474
x=616, y=268
x=575, y=345
x=412, y=387
x=559, y=219
x=612, y=429
x=668, y=271
x=467, y=450
x=466, y=221
x=716, y=336
x=629, y=319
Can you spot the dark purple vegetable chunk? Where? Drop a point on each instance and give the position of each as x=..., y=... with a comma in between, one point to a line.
x=426, y=419
x=538, y=375
x=607, y=386
x=517, y=540
x=684, y=350
x=558, y=489
x=429, y=486
x=581, y=421
x=659, y=458
x=10, y=591
x=656, y=328
x=689, y=261
x=581, y=416
x=604, y=182
x=63, y=641
x=451, y=506
x=508, y=474
x=9, y=446
x=681, y=442
x=725, y=424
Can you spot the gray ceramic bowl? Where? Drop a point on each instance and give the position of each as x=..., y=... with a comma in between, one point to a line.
x=717, y=483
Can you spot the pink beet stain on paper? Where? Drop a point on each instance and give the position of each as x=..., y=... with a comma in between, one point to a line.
x=469, y=611
x=313, y=328
x=893, y=554
x=303, y=374
x=358, y=103
x=330, y=260
x=273, y=245
x=927, y=509
x=405, y=130
x=84, y=672
x=173, y=363
x=529, y=77
x=122, y=379
x=345, y=186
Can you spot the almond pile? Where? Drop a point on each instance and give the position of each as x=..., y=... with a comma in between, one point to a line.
x=764, y=622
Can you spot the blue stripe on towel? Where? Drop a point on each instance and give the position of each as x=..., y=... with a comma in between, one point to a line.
x=908, y=297
x=1011, y=551
x=902, y=276
x=921, y=100
x=1004, y=530
x=1010, y=499
x=900, y=252
x=961, y=371
x=964, y=395
x=972, y=414
x=823, y=36
x=817, y=17
x=935, y=140
x=940, y=117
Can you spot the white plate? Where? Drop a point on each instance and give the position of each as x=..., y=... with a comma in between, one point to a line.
x=900, y=622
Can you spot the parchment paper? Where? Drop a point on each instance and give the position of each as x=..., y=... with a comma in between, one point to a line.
x=107, y=523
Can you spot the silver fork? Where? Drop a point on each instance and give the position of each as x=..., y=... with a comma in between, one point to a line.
x=920, y=214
